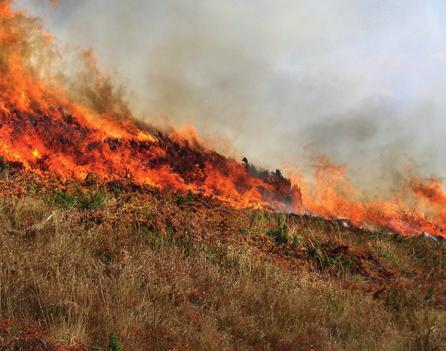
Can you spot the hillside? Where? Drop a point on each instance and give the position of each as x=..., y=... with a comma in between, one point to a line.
x=98, y=266
x=117, y=235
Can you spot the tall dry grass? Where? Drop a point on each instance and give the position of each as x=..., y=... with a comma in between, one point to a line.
x=81, y=280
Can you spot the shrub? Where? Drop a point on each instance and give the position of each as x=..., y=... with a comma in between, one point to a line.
x=91, y=201
x=184, y=199
x=63, y=200
x=80, y=201
x=244, y=231
x=113, y=343
x=279, y=235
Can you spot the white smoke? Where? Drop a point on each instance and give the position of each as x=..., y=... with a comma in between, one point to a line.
x=360, y=81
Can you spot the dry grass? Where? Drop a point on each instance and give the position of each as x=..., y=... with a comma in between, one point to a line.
x=82, y=274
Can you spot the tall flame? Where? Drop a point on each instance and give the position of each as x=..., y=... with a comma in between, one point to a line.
x=44, y=129
x=73, y=129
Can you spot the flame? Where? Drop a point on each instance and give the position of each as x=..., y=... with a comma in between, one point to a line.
x=36, y=153
x=45, y=129
x=83, y=127
x=414, y=208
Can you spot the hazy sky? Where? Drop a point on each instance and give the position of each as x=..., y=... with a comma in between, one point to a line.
x=363, y=81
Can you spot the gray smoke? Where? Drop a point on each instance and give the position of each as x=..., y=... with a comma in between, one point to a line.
x=359, y=81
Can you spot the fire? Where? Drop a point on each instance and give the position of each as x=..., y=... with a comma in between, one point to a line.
x=47, y=130
x=73, y=130
x=413, y=209
x=36, y=153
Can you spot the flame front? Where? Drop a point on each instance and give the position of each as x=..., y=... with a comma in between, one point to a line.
x=43, y=129
x=417, y=206
x=46, y=127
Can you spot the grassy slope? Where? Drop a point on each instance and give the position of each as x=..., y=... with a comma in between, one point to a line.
x=162, y=271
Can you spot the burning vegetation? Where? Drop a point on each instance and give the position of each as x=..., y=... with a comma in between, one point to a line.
x=79, y=127
x=116, y=235
x=415, y=207
x=45, y=129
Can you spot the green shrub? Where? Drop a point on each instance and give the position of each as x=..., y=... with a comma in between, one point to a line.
x=113, y=343
x=117, y=191
x=63, y=200
x=279, y=235
x=91, y=201
x=80, y=201
x=184, y=199
x=244, y=231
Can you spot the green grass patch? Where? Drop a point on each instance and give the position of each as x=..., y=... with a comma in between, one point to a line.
x=184, y=199
x=80, y=201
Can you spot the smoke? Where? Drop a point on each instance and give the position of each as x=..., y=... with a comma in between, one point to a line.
x=359, y=81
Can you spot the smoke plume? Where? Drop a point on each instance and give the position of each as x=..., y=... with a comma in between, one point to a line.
x=281, y=81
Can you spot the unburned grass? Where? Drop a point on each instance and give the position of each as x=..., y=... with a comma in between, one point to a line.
x=119, y=276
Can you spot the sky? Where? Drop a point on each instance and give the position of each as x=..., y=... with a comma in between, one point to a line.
x=361, y=81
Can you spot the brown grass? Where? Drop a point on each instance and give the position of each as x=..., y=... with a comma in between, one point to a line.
x=140, y=266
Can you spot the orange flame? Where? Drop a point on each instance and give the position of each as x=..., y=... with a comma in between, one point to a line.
x=44, y=129
x=413, y=209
